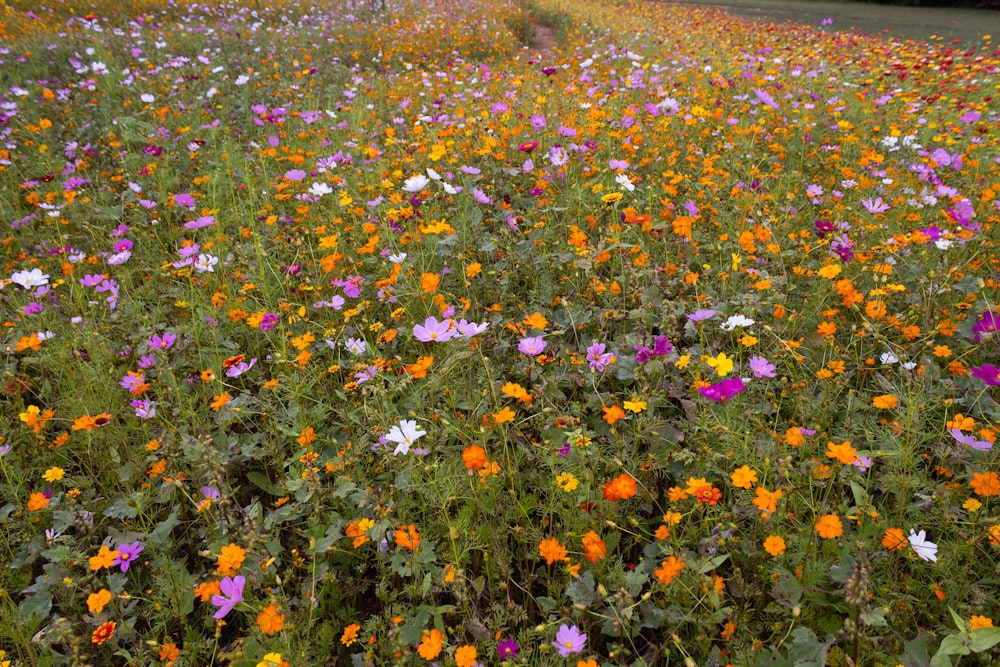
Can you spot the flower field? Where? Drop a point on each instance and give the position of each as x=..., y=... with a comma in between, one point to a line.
x=364, y=333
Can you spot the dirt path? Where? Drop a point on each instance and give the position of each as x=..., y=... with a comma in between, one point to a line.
x=541, y=38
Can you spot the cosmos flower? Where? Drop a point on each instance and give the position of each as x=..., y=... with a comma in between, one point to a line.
x=232, y=594
x=569, y=640
x=404, y=434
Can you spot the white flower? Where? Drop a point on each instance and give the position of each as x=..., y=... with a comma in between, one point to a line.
x=29, y=279
x=623, y=180
x=398, y=258
x=888, y=358
x=404, y=434
x=415, y=183
x=205, y=263
x=317, y=190
x=924, y=548
x=242, y=80
x=433, y=174
x=147, y=98
x=736, y=321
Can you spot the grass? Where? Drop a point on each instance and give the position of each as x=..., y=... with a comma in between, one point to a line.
x=952, y=26
x=362, y=333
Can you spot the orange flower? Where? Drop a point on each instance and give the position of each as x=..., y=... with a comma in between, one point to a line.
x=357, y=531
x=894, y=539
x=169, y=653
x=774, y=545
x=97, y=601
x=408, y=537
x=31, y=342
x=794, y=437
x=829, y=526
x=204, y=590
x=105, y=558
x=978, y=621
x=621, y=487
x=350, y=634
x=766, y=501
x=594, y=548
x=517, y=392
x=504, y=415
x=885, y=402
x=220, y=400
x=429, y=282
x=418, y=369
x=744, y=477
x=269, y=620
x=985, y=484
x=612, y=414
x=535, y=321
x=37, y=501
x=842, y=452
x=551, y=550
x=669, y=569
x=465, y=656
x=104, y=632
x=306, y=436
x=707, y=494
x=230, y=559
x=430, y=644
x=474, y=457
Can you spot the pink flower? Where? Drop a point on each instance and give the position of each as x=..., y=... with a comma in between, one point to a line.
x=532, y=345
x=433, y=331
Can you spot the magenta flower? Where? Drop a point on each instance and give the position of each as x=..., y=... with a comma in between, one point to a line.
x=269, y=321
x=988, y=373
x=988, y=323
x=661, y=348
x=164, y=342
x=532, y=345
x=569, y=640
x=126, y=554
x=432, y=331
x=508, y=648
x=721, y=392
x=232, y=595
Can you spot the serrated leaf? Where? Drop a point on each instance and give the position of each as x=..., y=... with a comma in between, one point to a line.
x=161, y=532
x=874, y=618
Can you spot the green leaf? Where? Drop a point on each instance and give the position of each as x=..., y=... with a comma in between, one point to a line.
x=261, y=481
x=581, y=591
x=874, y=618
x=161, y=533
x=712, y=563
x=983, y=639
x=37, y=605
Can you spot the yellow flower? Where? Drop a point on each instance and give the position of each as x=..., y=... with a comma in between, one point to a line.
x=722, y=364
x=683, y=361
x=635, y=405
x=271, y=660
x=53, y=474
x=567, y=482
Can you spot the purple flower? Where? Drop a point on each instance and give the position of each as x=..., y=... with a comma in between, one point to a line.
x=569, y=640
x=765, y=98
x=532, y=345
x=988, y=323
x=969, y=441
x=211, y=492
x=147, y=361
x=661, y=348
x=432, y=331
x=126, y=554
x=761, y=367
x=721, y=392
x=269, y=321
x=467, y=329
x=863, y=463
x=232, y=595
x=508, y=648
x=598, y=358
x=33, y=308
x=538, y=121
x=701, y=315
x=164, y=342
x=295, y=175
x=198, y=223
x=988, y=373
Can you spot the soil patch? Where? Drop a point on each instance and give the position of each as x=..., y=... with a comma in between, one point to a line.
x=541, y=38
